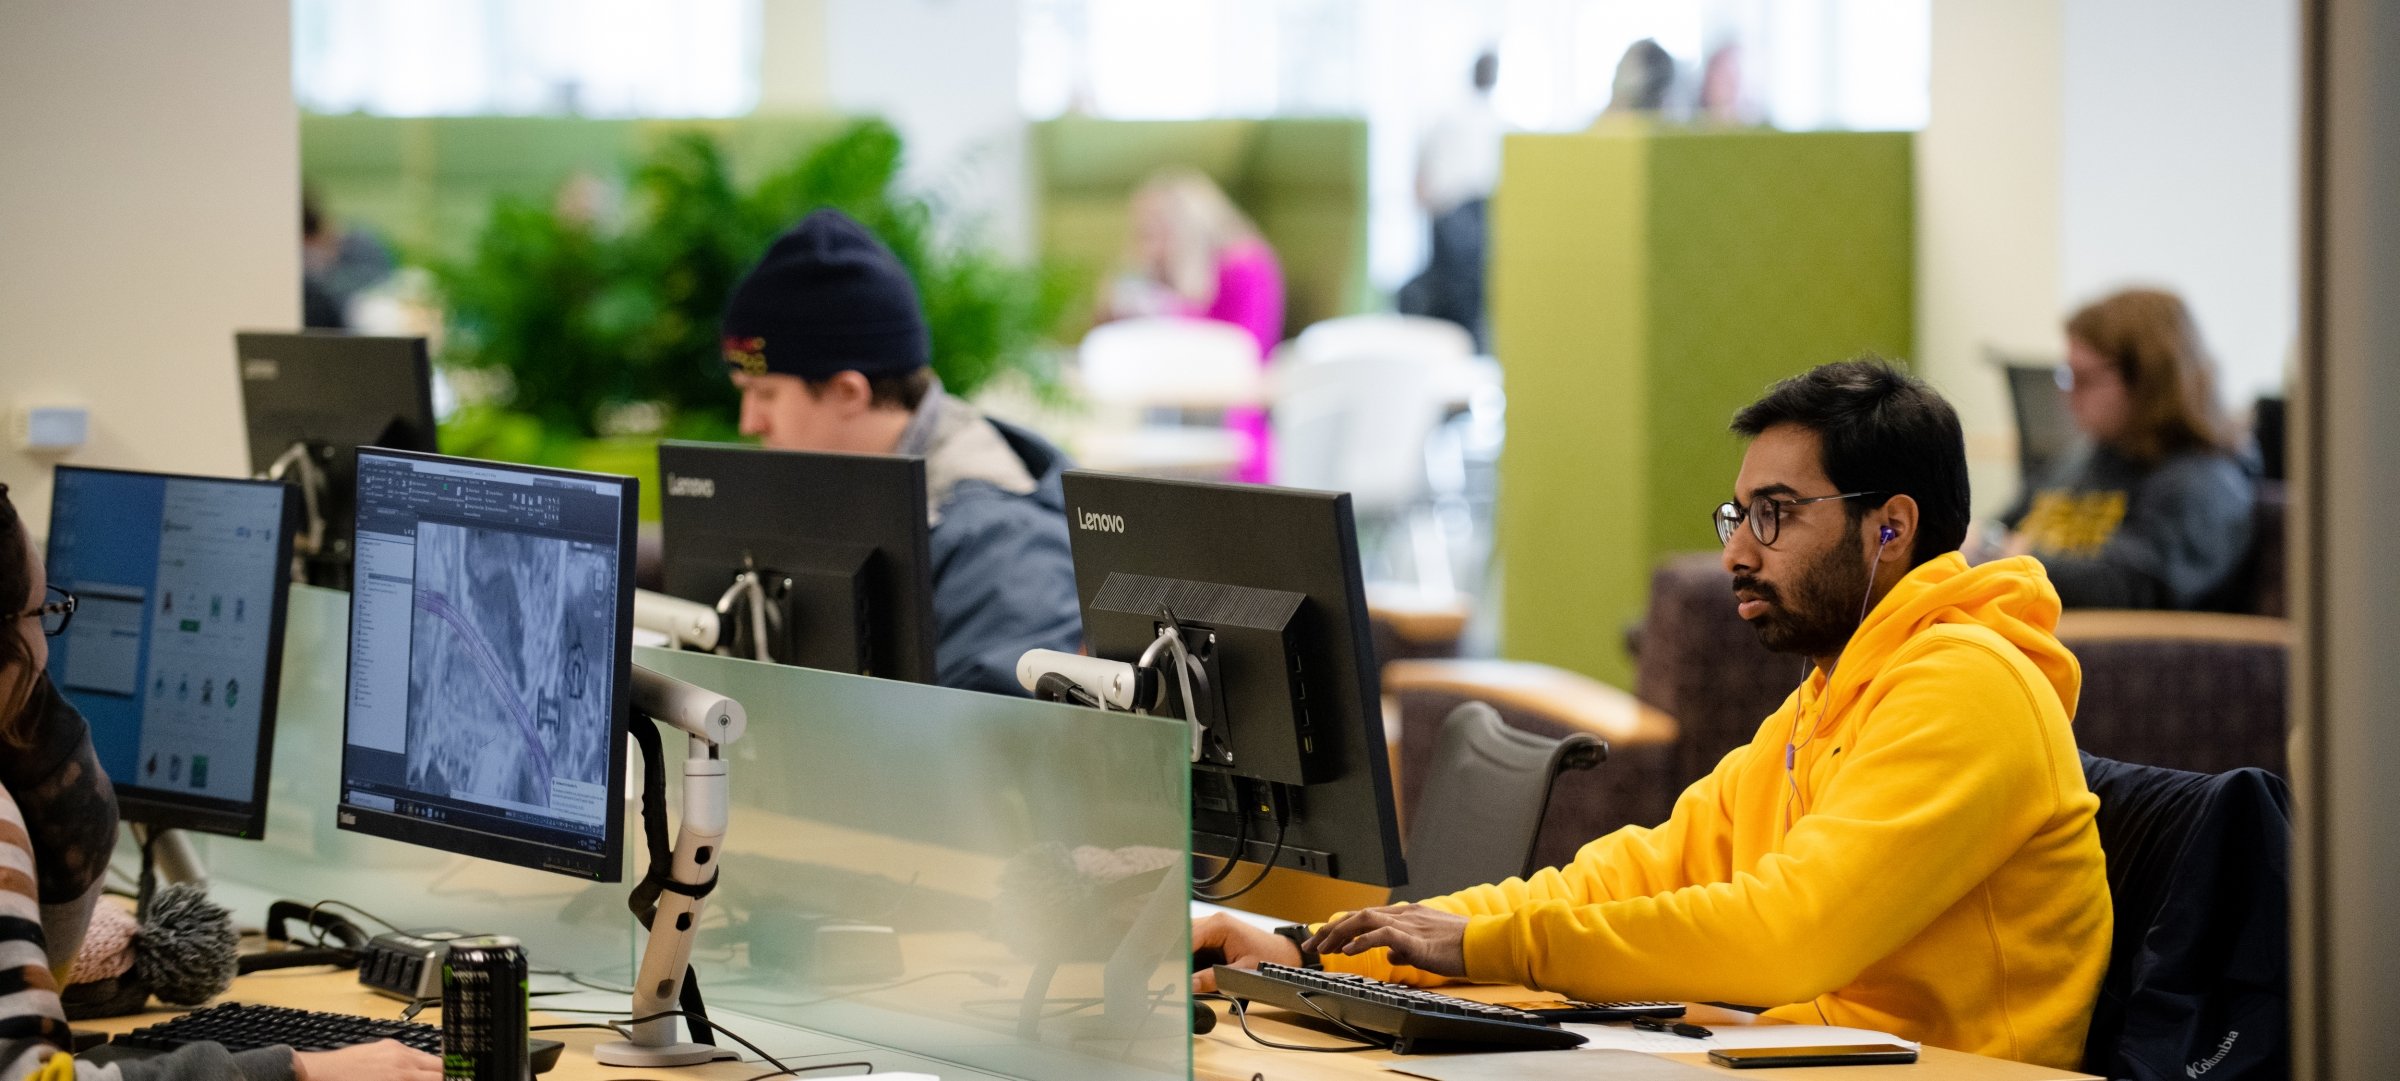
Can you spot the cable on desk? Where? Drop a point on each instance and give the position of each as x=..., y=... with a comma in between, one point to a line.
x=619, y=1028
x=804, y=1069
x=1368, y=1042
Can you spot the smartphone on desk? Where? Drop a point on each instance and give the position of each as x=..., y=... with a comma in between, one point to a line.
x=1857, y=1054
x=1571, y=1012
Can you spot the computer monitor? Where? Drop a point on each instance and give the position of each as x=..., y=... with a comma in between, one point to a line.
x=309, y=399
x=840, y=541
x=490, y=653
x=2045, y=431
x=175, y=650
x=1265, y=585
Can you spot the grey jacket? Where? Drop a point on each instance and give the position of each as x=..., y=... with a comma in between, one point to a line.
x=1003, y=578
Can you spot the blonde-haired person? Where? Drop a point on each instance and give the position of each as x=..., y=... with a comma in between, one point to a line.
x=58, y=817
x=1193, y=253
x=2155, y=512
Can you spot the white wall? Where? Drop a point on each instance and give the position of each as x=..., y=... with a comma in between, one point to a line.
x=1988, y=216
x=945, y=73
x=149, y=205
x=2179, y=151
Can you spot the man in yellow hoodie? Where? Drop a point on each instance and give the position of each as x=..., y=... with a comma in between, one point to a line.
x=1907, y=844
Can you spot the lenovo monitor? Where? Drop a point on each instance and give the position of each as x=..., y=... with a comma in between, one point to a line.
x=837, y=545
x=1262, y=586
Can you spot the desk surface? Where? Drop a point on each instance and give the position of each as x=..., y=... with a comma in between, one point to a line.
x=339, y=992
x=1227, y=1055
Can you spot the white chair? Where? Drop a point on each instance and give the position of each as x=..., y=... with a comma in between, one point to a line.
x=1361, y=425
x=1383, y=335
x=1133, y=370
x=1170, y=363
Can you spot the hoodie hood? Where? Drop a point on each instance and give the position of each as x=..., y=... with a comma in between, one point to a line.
x=2012, y=598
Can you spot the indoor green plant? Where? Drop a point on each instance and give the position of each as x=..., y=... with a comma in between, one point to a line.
x=594, y=338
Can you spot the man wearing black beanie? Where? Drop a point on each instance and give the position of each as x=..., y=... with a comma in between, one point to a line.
x=825, y=339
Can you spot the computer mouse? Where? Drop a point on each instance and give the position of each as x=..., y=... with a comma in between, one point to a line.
x=1203, y=1018
x=1207, y=957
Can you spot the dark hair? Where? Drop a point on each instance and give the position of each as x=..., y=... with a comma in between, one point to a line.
x=14, y=588
x=904, y=391
x=2149, y=335
x=1878, y=430
x=1487, y=69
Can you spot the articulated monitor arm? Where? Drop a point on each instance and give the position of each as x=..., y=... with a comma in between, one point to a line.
x=712, y=721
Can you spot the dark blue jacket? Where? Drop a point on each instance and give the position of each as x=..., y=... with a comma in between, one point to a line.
x=1003, y=578
x=2199, y=979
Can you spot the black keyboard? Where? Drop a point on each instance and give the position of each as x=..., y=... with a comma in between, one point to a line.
x=1405, y=1015
x=242, y=1027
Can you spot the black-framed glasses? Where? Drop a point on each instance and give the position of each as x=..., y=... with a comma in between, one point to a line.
x=54, y=613
x=1765, y=514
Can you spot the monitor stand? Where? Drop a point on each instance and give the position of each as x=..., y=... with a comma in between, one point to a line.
x=168, y=858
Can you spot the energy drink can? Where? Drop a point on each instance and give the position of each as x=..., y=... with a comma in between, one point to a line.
x=484, y=1011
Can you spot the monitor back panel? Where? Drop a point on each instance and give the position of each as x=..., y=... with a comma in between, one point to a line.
x=723, y=506
x=1267, y=541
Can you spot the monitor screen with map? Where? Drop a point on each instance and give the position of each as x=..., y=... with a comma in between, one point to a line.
x=489, y=660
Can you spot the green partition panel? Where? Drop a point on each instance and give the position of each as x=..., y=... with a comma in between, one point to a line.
x=1646, y=284
x=427, y=183
x=1030, y=860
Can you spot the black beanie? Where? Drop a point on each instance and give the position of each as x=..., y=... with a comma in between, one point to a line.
x=826, y=298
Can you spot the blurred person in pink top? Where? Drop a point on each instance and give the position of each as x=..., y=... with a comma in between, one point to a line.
x=1193, y=254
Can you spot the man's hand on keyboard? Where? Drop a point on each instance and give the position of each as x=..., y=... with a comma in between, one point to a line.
x=1240, y=944
x=1420, y=937
x=383, y=1060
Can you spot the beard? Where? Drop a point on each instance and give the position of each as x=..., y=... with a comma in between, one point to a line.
x=1817, y=615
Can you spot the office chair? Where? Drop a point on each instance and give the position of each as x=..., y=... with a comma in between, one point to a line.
x=1483, y=802
x=2199, y=866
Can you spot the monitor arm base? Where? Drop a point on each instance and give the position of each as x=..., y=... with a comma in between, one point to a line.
x=712, y=721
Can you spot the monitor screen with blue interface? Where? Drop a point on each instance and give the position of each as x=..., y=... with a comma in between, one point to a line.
x=174, y=650
x=489, y=657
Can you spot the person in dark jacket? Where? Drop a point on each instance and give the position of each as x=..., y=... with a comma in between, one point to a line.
x=826, y=341
x=2156, y=511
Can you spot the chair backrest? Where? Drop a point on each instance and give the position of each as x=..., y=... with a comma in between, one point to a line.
x=1167, y=362
x=2202, y=691
x=1383, y=335
x=1483, y=801
x=1703, y=665
x=2199, y=866
x=1637, y=787
x=1359, y=424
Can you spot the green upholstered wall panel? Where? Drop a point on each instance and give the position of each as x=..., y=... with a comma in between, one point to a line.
x=428, y=182
x=1732, y=259
x=1304, y=181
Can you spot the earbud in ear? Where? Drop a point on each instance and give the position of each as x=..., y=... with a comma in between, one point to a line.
x=1889, y=534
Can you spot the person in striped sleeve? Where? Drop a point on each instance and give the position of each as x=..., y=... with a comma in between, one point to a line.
x=58, y=821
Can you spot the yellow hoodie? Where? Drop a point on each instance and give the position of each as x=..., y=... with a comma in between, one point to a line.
x=1932, y=870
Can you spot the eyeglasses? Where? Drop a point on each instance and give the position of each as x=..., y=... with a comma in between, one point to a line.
x=1766, y=515
x=55, y=613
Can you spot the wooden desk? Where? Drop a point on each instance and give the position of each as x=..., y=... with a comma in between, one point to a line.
x=1227, y=1055
x=339, y=992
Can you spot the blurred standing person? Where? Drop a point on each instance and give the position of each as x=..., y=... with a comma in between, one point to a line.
x=336, y=265
x=1458, y=164
x=1194, y=254
x=2155, y=512
x=1644, y=76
